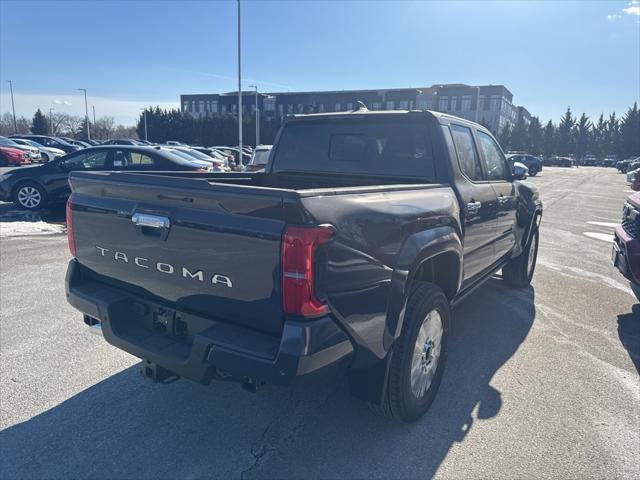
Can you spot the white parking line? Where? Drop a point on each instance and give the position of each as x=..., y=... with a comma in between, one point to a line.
x=604, y=224
x=603, y=237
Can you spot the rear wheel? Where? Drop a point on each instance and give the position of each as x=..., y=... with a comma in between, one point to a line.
x=519, y=271
x=533, y=170
x=30, y=195
x=418, y=355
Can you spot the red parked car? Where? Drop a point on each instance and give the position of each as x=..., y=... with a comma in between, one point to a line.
x=626, y=243
x=13, y=156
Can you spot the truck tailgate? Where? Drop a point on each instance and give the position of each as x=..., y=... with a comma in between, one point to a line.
x=209, y=249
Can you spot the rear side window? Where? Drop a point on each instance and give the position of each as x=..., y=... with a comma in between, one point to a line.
x=376, y=146
x=132, y=160
x=85, y=161
x=467, y=153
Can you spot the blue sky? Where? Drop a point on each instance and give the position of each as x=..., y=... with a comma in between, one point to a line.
x=551, y=54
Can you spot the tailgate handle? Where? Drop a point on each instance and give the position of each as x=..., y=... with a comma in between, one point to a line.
x=152, y=221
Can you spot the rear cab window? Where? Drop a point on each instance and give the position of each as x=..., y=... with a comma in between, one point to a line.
x=390, y=145
x=468, y=158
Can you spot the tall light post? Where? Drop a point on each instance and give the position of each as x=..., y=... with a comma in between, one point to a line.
x=239, y=93
x=86, y=111
x=257, y=116
x=93, y=107
x=51, y=120
x=13, y=107
x=144, y=114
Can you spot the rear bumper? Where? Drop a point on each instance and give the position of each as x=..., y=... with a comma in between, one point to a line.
x=202, y=349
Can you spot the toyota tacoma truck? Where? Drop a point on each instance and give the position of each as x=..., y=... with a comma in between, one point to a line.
x=345, y=255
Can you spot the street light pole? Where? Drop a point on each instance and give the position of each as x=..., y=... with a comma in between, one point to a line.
x=51, y=120
x=144, y=114
x=257, y=116
x=93, y=107
x=239, y=93
x=86, y=112
x=13, y=107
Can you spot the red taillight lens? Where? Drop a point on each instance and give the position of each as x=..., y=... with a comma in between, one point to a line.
x=70, y=239
x=299, y=245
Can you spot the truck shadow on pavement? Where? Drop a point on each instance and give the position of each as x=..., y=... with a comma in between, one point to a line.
x=629, y=333
x=124, y=428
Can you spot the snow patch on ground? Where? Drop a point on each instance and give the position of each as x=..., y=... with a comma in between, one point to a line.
x=17, y=229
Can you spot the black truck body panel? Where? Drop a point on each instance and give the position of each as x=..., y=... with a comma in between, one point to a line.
x=389, y=231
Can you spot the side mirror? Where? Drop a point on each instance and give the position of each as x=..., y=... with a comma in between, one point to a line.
x=520, y=171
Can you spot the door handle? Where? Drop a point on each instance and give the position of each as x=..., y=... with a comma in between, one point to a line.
x=151, y=221
x=473, y=207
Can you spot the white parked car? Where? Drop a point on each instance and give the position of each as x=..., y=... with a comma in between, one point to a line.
x=34, y=153
x=48, y=153
x=259, y=159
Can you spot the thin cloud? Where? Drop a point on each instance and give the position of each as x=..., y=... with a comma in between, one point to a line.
x=229, y=77
x=614, y=16
x=633, y=8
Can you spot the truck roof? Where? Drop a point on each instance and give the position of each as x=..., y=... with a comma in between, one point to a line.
x=442, y=118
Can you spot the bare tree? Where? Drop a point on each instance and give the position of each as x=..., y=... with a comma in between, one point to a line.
x=71, y=125
x=103, y=128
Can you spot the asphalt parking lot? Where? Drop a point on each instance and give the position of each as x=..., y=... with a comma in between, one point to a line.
x=541, y=383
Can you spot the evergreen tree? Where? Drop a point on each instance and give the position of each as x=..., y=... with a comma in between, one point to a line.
x=505, y=137
x=549, y=139
x=82, y=129
x=535, y=137
x=597, y=138
x=630, y=133
x=583, y=134
x=610, y=135
x=519, y=140
x=39, y=124
x=565, y=139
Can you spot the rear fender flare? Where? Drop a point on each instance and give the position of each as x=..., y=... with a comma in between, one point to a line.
x=418, y=249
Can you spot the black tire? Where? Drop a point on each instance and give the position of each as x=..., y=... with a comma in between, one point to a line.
x=533, y=170
x=3, y=161
x=30, y=195
x=401, y=402
x=518, y=273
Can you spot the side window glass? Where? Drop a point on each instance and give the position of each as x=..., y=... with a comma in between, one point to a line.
x=140, y=160
x=466, y=150
x=495, y=164
x=85, y=161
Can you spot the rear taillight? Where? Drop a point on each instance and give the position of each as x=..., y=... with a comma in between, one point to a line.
x=70, y=239
x=299, y=246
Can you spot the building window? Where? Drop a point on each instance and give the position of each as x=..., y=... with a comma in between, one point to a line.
x=281, y=110
x=289, y=108
x=338, y=106
x=376, y=105
x=485, y=102
x=185, y=106
x=300, y=108
x=443, y=103
x=422, y=105
x=214, y=106
x=201, y=106
x=223, y=108
x=495, y=102
x=193, y=106
x=391, y=105
x=321, y=107
x=349, y=106
x=454, y=102
x=466, y=103
x=403, y=105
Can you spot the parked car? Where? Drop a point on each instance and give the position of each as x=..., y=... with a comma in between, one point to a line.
x=346, y=255
x=563, y=161
x=590, y=161
x=259, y=159
x=75, y=141
x=175, y=143
x=625, y=254
x=533, y=163
x=122, y=141
x=13, y=156
x=628, y=164
x=213, y=164
x=34, y=153
x=47, y=153
x=47, y=141
x=36, y=187
x=610, y=161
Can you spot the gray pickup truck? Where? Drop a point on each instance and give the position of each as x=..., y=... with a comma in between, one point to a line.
x=345, y=255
